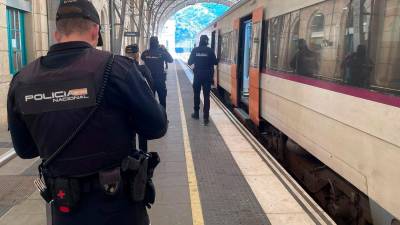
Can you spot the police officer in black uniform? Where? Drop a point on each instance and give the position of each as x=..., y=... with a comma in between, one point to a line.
x=76, y=108
x=132, y=51
x=204, y=60
x=154, y=59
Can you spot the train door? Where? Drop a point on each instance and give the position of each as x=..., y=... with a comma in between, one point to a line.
x=249, y=69
x=215, y=45
x=255, y=65
x=235, y=64
x=245, y=73
x=244, y=54
x=213, y=34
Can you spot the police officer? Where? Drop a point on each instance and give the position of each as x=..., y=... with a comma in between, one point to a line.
x=166, y=63
x=204, y=60
x=154, y=59
x=132, y=51
x=71, y=108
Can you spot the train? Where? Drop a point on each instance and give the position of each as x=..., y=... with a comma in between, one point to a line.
x=318, y=82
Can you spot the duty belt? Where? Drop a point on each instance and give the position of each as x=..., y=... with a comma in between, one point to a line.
x=134, y=175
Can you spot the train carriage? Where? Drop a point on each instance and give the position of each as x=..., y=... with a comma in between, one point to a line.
x=320, y=82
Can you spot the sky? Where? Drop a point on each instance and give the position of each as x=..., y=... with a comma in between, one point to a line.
x=192, y=19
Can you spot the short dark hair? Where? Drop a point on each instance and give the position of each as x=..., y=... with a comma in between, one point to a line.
x=74, y=25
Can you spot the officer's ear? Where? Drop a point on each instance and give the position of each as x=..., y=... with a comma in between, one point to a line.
x=57, y=36
x=94, y=35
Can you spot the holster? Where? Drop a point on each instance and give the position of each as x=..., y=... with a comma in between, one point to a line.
x=138, y=170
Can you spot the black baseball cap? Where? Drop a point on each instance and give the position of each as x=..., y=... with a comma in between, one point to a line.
x=132, y=48
x=79, y=9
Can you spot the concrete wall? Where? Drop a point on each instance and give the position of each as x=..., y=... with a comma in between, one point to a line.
x=4, y=67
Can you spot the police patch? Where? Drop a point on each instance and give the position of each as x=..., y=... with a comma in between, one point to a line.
x=55, y=96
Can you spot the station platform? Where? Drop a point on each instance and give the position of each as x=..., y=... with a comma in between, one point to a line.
x=214, y=175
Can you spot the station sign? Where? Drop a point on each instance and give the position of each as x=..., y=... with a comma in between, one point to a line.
x=132, y=34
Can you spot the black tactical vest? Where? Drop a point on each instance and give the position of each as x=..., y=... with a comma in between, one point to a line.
x=53, y=102
x=154, y=60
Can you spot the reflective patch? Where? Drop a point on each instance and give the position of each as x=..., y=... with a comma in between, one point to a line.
x=152, y=57
x=201, y=54
x=55, y=96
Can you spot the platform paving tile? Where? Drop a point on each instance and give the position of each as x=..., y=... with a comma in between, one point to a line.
x=171, y=214
x=170, y=180
x=226, y=197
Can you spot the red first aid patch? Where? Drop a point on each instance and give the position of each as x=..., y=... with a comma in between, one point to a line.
x=64, y=209
x=61, y=194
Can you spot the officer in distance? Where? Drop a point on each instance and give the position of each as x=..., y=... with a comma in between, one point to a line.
x=204, y=60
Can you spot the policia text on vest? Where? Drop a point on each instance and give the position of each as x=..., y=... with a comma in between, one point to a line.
x=91, y=171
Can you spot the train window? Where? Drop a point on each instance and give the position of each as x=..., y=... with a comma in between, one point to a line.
x=294, y=38
x=234, y=46
x=381, y=25
x=274, y=40
x=283, y=38
x=226, y=47
x=256, y=44
x=265, y=45
x=316, y=32
x=355, y=42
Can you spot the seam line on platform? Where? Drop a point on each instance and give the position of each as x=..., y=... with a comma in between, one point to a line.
x=197, y=213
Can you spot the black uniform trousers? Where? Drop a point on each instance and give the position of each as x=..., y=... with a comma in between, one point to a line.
x=95, y=207
x=202, y=81
x=161, y=89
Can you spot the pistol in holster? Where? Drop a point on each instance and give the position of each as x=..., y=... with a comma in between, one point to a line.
x=139, y=170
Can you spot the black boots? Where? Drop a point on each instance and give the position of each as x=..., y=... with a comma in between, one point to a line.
x=195, y=115
x=206, y=121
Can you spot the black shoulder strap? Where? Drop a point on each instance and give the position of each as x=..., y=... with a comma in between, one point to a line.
x=107, y=72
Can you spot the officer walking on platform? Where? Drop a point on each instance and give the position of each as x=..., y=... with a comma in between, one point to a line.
x=204, y=60
x=154, y=59
x=77, y=108
x=132, y=51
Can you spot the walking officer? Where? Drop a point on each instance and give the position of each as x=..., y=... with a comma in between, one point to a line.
x=77, y=108
x=154, y=59
x=204, y=60
x=132, y=51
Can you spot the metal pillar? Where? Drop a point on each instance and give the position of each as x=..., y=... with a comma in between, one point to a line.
x=112, y=25
x=142, y=45
x=120, y=37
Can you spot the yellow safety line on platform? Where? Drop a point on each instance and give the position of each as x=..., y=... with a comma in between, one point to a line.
x=197, y=213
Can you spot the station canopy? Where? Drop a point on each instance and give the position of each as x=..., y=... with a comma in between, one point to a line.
x=164, y=9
